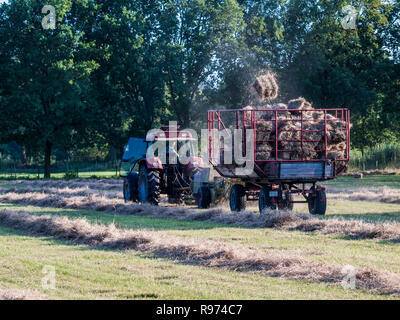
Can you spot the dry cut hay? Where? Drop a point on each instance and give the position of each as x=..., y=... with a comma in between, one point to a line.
x=351, y=228
x=299, y=104
x=312, y=123
x=263, y=151
x=266, y=86
x=380, y=194
x=354, y=229
x=213, y=254
x=65, y=192
x=16, y=294
x=105, y=184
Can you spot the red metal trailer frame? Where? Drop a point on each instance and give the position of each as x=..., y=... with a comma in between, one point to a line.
x=215, y=121
x=260, y=184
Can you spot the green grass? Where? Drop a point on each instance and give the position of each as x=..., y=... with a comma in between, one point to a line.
x=323, y=248
x=86, y=273
x=363, y=210
x=367, y=181
x=384, y=155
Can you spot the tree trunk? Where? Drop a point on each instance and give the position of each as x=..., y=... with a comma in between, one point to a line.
x=47, y=159
x=24, y=156
x=186, y=118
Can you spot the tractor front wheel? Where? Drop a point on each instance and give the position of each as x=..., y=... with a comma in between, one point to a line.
x=149, y=186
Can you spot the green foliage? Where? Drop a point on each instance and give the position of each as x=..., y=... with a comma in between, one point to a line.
x=71, y=175
x=44, y=77
x=381, y=156
x=115, y=69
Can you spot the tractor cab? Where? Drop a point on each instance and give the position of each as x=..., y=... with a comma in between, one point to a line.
x=163, y=163
x=169, y=145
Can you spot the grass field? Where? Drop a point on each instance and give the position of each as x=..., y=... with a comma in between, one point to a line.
x=86, y=272
x=367, y=181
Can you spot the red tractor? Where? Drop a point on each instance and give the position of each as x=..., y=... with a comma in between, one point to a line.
x=163, y=163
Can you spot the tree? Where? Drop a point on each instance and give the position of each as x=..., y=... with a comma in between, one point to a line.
x=194, y=33
x=315, y=57
x=44, y=76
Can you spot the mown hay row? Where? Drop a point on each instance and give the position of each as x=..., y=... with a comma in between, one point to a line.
x=105, y=185
x=198, y=252
x=354, y=229
x=380, y=194
x=65, y=192
x=14, y=294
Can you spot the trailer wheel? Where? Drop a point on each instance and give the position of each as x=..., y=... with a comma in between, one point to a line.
x=204, y=198
x=149, y=186
x=265, y=201
x=317, y=203
x=286, y=204
x=237, y=198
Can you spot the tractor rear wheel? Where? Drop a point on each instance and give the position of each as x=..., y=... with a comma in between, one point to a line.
x=317, y=203
x=237, y=198
x=265, y=201
x=149, y=186
x=204, y=198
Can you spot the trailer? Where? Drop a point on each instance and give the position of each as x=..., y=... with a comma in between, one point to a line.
x=286, y=172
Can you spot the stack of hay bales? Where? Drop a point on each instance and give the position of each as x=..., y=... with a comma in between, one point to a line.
x=290, y=135
x=289, y=127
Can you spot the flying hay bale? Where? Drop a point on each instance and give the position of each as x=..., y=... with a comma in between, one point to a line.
x=266, y=86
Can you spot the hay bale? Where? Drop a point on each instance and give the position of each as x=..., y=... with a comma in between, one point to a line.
x=279, y=106
x=263, y=151
x=266, y=86
x=247, y=114
x=336, y=131
x=336, y=151
x=264, y=129
x=299, y=104
x=288, y=136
